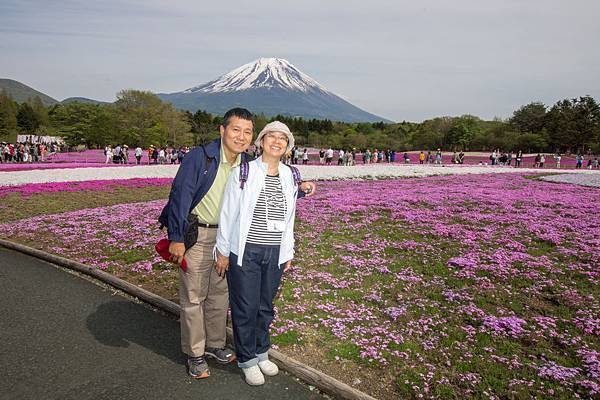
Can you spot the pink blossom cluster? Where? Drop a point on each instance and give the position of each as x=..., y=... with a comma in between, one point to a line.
x=591, y=362
x=558, y=372
x=509, y=326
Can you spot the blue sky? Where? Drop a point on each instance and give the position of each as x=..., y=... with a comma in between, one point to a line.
x=404, y=60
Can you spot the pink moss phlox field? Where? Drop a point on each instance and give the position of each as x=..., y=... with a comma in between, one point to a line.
x=50, y=165
x=98, y=236
x=99, y=185
x=485, y=238
x=449, y=280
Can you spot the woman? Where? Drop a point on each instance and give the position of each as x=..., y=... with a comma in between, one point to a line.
x=255, y=244
x=109, y=155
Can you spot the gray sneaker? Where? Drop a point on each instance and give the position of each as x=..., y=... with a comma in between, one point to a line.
x=222, y=355
x=197, y=367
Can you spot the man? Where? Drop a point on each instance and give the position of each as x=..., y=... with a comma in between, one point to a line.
x=557, y=158
x=438, y=156
x=138, y=155
x=329, y=156
x=195, y=201
x=117, y=155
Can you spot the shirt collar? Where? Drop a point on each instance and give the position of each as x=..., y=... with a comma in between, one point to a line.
x=237, y=161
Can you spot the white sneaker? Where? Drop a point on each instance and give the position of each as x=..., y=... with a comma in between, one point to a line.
x=253, y=376
x=268, y=368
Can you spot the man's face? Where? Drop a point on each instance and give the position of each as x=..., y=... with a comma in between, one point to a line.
x=236, y=137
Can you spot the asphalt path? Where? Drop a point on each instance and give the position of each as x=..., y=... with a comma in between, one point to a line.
x=63, y=337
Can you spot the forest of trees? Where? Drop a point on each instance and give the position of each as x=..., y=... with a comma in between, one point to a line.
x=141, y=118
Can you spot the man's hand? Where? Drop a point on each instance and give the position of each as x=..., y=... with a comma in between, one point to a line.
x=287, y=265
x=310, y=188
x=222, y=264
x=177, y=250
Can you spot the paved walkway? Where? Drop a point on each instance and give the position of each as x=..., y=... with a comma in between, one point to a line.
x=63, y=337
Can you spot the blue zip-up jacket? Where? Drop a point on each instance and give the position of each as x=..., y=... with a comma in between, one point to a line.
x=194, y=178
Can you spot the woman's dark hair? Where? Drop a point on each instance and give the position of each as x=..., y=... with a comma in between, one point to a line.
x=237, y=112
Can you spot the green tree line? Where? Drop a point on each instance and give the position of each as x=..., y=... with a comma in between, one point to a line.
x=141, y=118
x=135, y=118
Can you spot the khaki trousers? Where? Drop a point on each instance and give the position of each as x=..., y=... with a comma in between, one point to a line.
x=203, y=298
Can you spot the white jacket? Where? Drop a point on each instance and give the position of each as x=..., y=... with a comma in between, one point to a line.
x=237, y=209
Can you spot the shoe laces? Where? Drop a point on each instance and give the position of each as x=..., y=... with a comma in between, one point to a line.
x=197, y=360
x=224, y=350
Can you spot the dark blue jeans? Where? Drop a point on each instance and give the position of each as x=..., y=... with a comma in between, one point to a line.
x=252, y=288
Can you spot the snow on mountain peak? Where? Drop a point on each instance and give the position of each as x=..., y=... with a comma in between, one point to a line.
x=262, y=73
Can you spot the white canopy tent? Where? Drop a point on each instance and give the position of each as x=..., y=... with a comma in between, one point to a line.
x=40, y=139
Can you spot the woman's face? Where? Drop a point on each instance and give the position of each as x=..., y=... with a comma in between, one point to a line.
x=274, y=144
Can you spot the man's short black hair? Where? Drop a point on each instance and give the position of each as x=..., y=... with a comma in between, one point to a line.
x=237, y=112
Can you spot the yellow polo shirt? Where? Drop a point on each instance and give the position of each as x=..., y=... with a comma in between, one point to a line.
x=209, y=208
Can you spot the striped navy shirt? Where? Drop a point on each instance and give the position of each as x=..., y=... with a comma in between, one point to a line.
x=271, y=202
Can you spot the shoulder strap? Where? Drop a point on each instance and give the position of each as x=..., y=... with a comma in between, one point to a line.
x=207, y=160
x=295, y=174
x=244, y=168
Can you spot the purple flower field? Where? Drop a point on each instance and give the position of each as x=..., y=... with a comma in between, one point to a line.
x=99, y=185
x=102, y=237
x=452, y=280
x=464, y=286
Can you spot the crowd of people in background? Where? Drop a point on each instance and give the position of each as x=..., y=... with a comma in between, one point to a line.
x=156, y=155
x=541, y=159
x=505, y=158
x=348, y=157
x=27, y=152
x=117, y=155
x=166, y=155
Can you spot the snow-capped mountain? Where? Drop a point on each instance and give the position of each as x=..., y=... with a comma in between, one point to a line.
x=262, y=73
x=271, y=86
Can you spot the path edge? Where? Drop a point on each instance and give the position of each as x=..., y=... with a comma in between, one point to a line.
x=302, y=371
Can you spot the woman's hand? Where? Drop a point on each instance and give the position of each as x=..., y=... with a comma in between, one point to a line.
x=222, y=264
x=309, y=188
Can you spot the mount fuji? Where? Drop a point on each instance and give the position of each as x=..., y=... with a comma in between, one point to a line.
x=271, y=86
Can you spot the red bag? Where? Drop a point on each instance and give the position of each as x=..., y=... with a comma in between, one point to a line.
x=162, y=248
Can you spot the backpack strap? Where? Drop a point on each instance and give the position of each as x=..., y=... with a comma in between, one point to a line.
x=296, y=175
x=207, y=160
x=244, y=169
